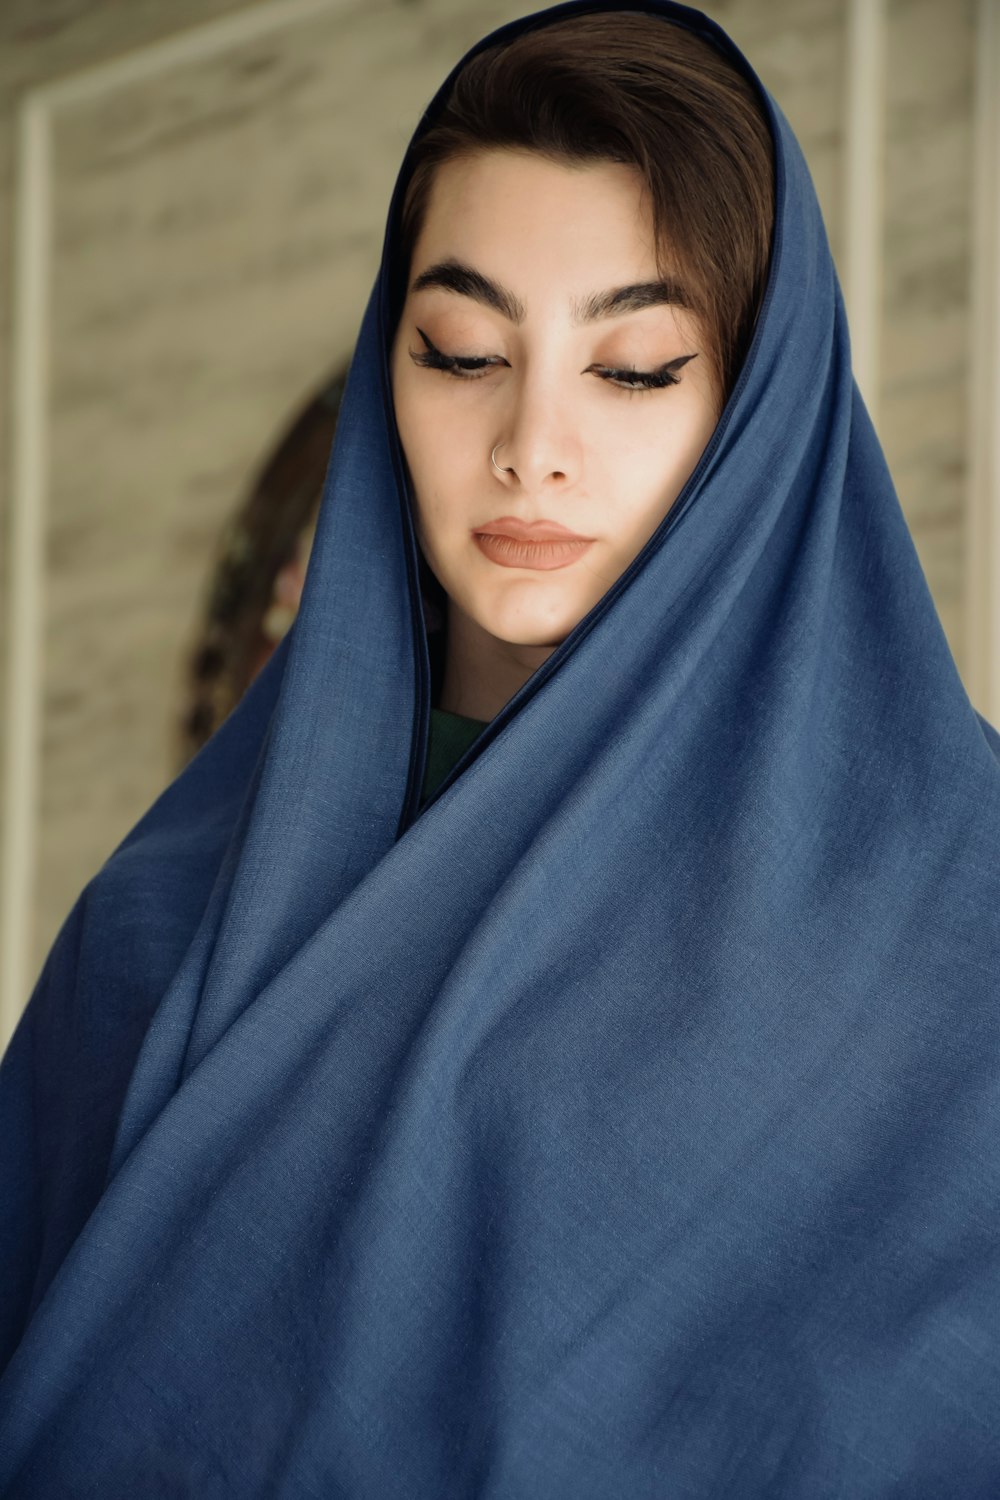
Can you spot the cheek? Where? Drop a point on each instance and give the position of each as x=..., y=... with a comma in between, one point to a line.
x=447, y=464
x=648, y=474
x=442, y=480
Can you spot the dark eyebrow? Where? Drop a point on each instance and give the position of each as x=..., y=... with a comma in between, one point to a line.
x=627, y=299
x=453, y=276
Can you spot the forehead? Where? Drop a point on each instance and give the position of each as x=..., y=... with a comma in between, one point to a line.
x=525, y=210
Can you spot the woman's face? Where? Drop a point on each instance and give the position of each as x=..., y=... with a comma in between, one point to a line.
x=536, y=321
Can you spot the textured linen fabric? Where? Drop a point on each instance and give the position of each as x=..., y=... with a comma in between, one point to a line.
x=625, y=1123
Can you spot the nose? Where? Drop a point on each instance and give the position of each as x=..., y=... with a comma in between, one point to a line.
x=539, y=445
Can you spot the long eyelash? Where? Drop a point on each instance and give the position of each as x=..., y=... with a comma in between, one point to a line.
x=465, y=369
x=631, y=381
x=645, y=380
x=451, y=364
x=641, y=380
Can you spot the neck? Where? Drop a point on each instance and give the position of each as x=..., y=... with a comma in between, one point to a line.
x=482, y=672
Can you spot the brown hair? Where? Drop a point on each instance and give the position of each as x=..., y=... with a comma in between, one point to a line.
x=630, y=87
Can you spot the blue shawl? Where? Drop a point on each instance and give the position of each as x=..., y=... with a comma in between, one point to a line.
x=625, y=1122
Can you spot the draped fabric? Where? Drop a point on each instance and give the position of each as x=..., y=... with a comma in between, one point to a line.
x=623, y=1123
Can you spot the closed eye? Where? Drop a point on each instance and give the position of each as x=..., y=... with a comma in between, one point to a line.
x=644, y=380
x=472, y=367
x=466, y=368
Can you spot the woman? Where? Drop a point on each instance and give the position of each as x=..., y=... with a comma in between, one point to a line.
x=619, y=1118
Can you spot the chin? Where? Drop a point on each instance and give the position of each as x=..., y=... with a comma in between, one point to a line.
x=526, y=627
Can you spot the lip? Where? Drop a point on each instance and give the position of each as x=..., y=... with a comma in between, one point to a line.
x=530, y=531
x=514, y=552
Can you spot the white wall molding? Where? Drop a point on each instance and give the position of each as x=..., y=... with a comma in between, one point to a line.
x=864, y=169
x=30, y=439
x=982, y=540
x=25, y=570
